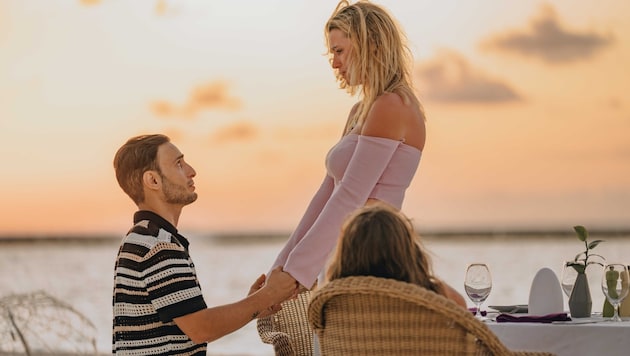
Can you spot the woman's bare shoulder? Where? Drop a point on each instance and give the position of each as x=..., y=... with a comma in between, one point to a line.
x=388, y=117
x=389, y=101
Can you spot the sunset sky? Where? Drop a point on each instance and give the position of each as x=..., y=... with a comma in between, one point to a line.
x=527, y=102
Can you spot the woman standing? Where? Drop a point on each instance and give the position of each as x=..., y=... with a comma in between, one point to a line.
x=379, y=151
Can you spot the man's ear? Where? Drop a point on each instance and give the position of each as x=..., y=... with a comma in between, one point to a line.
x=152, y=180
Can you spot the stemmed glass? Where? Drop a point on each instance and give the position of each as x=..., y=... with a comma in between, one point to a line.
x=567, y=279
x=478, y=283
x=615, y=285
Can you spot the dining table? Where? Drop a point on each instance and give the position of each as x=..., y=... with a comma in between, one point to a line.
x=578, y=337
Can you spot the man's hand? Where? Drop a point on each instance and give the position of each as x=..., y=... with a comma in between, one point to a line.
x=260, y=282
x=279, y=287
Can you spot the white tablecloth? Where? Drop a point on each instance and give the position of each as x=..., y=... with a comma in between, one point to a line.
x=576, y=338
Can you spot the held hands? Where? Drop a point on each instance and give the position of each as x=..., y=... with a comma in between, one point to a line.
x=280, y=286
x=258, y=285
x=282, y=283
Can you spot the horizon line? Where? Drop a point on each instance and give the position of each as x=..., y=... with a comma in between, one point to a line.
x=272, y=234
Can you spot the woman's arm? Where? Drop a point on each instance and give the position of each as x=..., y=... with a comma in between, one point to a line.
x=368, y=162
x=312, y=212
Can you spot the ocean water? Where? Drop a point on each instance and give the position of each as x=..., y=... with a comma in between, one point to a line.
x=81, y=273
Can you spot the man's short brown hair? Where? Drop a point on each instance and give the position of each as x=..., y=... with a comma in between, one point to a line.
x=136, y=156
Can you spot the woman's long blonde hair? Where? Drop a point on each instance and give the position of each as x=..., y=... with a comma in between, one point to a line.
x=378, y=240
x=381, y=62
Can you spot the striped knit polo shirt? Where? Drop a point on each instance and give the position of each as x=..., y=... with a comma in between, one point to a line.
x=154, y=282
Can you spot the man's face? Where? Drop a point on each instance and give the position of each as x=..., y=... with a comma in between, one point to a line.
x=177, y=183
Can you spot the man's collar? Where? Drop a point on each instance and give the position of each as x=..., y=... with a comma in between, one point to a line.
x=155, y=218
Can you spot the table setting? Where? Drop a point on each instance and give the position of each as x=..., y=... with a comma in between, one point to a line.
x=543, y=324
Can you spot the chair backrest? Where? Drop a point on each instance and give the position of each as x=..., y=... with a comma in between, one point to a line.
x=378, y=316
x=289, y=330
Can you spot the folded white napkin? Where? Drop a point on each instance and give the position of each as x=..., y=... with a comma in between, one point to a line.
x=545, y=294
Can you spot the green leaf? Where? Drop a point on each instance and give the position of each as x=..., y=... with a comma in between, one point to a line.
x=595, y=263
x=577, y=257
x=594, y=243
x=578, y=267
x=581, y=232
x=600, y=256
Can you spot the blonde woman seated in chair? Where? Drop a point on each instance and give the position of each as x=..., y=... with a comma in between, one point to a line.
x=379, y=241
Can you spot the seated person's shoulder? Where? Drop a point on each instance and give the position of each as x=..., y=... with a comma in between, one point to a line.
x=452, y=294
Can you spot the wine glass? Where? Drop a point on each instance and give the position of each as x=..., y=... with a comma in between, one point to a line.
x=567, y=279
x=478, y=283
x=615, y=286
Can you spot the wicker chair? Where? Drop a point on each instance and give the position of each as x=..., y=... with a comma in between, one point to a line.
x=289, y=330
x=378, y=316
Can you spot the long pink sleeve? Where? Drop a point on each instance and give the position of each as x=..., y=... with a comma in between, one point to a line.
x=369, y=161
x=312, y=212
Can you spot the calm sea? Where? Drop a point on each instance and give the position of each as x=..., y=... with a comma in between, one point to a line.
x=80, y=273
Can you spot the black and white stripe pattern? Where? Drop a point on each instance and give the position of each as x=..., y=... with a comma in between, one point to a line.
x=155, y=281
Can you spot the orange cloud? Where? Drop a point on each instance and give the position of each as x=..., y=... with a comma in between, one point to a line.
x=163, y=8
x=549, y=40
x=450, y=78
x=205, y=97
x=240, y=131
x=615, y=103
x=90, y=2
x=163, y=108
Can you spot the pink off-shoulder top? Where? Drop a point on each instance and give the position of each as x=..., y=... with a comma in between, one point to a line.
x=358, y=168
